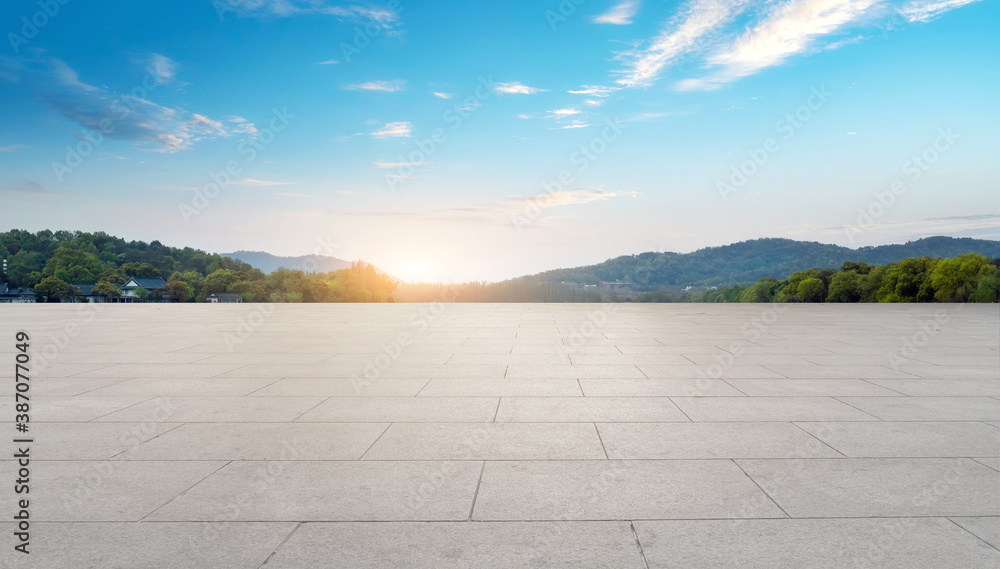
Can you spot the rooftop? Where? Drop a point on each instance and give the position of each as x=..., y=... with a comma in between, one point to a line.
x=510, y=435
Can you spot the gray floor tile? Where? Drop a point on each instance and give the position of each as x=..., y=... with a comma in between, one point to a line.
x=941, y=387
x=80, y=490
x=814, y=387
x=714, y=371
x=488, y=441
x=566, y=371
x=768, y=409
x=878, y=487
x=403, y=410
x=120, y=545
x=985, y=528
x=501, y=387
x=615, y=489
x=709, y=440
x=260, y=441
x=182, y=387
x=218, y=409
x=92, y=441
x=834, y=372
x=908, y=439
x=588, y=409
x=75, y=409
x=330, y=491
x=928, y=408
x=327, y=387
x=462, y=545
x=901, y=543
x=700, y=387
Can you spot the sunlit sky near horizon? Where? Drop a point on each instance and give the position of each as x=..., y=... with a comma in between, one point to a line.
x=453, y=141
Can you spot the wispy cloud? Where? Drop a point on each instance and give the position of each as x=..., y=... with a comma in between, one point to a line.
x=515, y=88
x=253, y=182
x=788, y=29
x=388, y=86
x=389, y=165
x=393, y=130
x=686, y=32
x=594, y=90
x=328, y=62
x=288, y=8
x=500, y=212
x=26, y=188
x=620, y=15
x=442, y=95
x=926, y=11
x=145, y=124
x=12, y=148
x=161, y=67
x=292, y=195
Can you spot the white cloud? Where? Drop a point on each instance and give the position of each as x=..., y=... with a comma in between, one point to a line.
x=161, y=67
x=393, y=130
x=619, y=15
x=515, y=88
x=253, y=182
x=927, y=10
x=595, y=90
x=442, y=95
x=145, y=125
x=787, y=29
x=292, y=195
x=841, y=43
x=12, y=148
x=576, y=124
x=388, y=86
x=328, y=62
x=389, y=165
x=288, y=8
x=685, y=33
x=565, y=112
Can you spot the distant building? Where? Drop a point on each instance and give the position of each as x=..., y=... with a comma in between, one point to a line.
x=224, y=298
x=613, y=284
x=86, y=294
x=10, y=295
x=134, y=283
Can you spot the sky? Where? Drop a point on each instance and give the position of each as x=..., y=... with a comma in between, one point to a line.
x=453, y=141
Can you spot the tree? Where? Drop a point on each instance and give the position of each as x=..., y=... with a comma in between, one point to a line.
x=179, y=290
x=73, y=266
x=107, y=289
x=219, y=281
x=141, y=294
x=908, y=281
x=844, y=287
x=988, y=289
x=955, y=280
x=51, y=288
x=811, y=289
x=138, y=270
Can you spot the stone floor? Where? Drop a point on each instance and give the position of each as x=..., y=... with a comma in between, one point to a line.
x=515, y=435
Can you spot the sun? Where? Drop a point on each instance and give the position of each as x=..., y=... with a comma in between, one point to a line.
x=414, y=270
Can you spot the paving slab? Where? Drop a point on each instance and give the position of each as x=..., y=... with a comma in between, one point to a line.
x=700, y=387
x=985, y=528
x=940, y=387
x=74, y=409
x=588, y=409
x=709, y=440
x=928, y=408
x=618, y=490
x=489, y=441
x=908, y=439
x=895, y=543
x=92, y=441
x=769, y=409
x=811, y=387
x=260, y=441
x=328, y=387
x=183, y=387
x=436, y=545
x=501, y=387
x=79, y=490
x=877, y=487
x=402, y=409
x=217, y=409
x=329, y=491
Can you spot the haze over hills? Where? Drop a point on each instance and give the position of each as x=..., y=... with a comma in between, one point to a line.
x=269, y=263
x=747, y=261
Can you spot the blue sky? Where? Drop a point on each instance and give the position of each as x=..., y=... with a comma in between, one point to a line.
x=453, y=141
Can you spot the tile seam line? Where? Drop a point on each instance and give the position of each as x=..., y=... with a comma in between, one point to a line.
x=186, y=490
x=839, y=398
x=174, y=428
x=638, y=544
x=280, y=545
x=475, y=496
x=969, y=532
x=824, y=443
x=769, y=497
x=303, y=414
x=386, y=429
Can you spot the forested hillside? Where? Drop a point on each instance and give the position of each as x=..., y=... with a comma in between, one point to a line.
x=747, y=261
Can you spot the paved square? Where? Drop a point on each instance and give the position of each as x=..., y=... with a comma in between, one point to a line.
x=507, y=435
